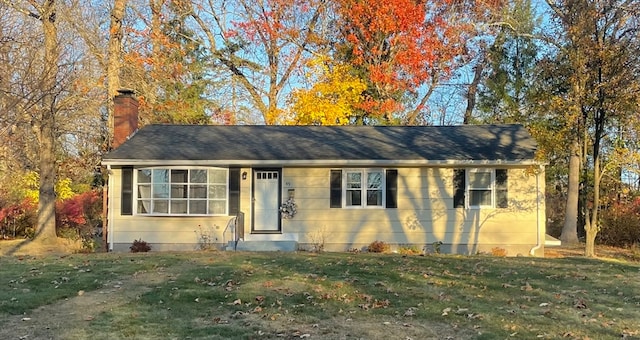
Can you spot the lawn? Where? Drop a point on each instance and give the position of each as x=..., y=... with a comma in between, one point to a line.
x=226, y=295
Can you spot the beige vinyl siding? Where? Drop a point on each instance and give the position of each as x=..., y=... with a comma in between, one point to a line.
x=425, y=213
x=167, y=232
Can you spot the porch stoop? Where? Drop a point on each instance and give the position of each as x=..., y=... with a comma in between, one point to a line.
x=264, y=246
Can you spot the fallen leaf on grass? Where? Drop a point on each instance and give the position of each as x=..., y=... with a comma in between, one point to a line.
x=381, y=304
x=462, y=311
x=219, y=321
x=580, y=304
x=527, y=287
x=410, y=312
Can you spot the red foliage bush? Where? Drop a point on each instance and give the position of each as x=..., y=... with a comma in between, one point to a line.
x=80, y=213
x=18, y=220
x=620, y=224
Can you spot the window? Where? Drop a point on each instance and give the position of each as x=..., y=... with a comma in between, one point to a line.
x=480, y=188
x=363, y=188
x=198, y=191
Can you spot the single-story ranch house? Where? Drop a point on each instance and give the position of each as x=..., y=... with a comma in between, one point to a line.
x=455, y=189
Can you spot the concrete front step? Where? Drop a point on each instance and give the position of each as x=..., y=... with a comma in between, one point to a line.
x=263, y=246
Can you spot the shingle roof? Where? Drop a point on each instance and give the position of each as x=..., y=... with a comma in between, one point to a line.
x=257, y=144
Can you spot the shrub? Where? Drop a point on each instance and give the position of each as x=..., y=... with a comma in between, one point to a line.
x=206, y=238
x=317, y=239
x=409, y=250
x=620, y=224
x=140, y=246
x=77, y=218
x=378, y=247
x=17, y=220
x=497, y=251
x=80, y=211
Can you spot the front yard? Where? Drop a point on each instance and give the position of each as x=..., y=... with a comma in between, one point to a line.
x=223, y=295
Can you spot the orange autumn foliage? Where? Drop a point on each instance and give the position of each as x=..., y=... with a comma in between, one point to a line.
x=400, y=44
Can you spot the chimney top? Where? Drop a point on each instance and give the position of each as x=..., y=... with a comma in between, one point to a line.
x=126, y=92
x=125, y=116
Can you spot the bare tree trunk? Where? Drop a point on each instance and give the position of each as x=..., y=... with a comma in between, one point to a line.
x=570, y=228
x=46, y=230
x=114, y=62
x=592, y=227
x=471, y=91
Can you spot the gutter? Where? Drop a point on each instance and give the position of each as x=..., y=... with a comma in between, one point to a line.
x=109, y=209
x=539, y=241
x=316, y=162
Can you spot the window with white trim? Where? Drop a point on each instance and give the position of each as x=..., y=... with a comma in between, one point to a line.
x=363, y=188
x=182, y=191
x=480, y=188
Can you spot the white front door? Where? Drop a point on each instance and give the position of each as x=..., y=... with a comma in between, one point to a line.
x=265, y=201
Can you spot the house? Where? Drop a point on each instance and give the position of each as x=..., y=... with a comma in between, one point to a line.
x=454, y=189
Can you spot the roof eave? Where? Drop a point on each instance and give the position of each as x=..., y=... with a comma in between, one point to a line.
x=318, y=162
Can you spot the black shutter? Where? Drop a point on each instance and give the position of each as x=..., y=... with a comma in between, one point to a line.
x=501, y=188
x=392, y=188
x=336, y=189
x=126, y=197
x=234, y=191
x=458, y=188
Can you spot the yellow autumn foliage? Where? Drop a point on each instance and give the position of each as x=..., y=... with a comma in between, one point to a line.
x=28, y=187
x=331, y=100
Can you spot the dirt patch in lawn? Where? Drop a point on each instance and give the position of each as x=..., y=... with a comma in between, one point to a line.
x=66, y=319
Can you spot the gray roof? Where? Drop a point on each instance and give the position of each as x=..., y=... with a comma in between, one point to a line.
x=329, y=145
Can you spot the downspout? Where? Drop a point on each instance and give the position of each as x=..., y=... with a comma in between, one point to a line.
x=539, y=241
x=110, y=209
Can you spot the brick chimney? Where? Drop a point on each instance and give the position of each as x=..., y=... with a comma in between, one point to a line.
x=125, y=116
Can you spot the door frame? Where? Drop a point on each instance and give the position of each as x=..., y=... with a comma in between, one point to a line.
x=279, y=198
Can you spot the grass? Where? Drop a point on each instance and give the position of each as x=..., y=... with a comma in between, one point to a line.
x=322, y=296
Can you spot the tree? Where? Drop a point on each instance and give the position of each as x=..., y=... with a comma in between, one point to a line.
x=44, y=109
x=600, y=49
x=405, y=49
x=114, y=61
x=167, y=66
x=261, y=45
x=333, y=98
x=45, y=95
x=505, y=95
